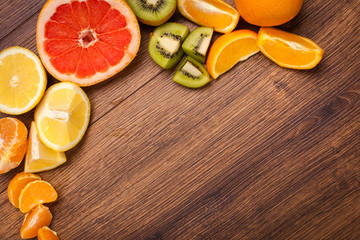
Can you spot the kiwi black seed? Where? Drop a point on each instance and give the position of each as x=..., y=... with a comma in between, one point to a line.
x=197, y=43
x=165, y=44
x=191, y=74
x=153, y=12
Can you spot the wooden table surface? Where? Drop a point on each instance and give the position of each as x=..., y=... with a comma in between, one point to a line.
x=261, y=153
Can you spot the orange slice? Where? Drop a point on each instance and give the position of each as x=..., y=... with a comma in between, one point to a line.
x=36, y=193
x=37, y=218
x=88, y=41
x=17, y=184
x=210, y=13
x=229, y=49
x=288, y=50
x=13, y=143
x=46, y=233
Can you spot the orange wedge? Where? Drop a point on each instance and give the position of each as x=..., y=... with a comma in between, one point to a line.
x=287, y=49
x=36, y=193
x=210, y=13
x=229, y=49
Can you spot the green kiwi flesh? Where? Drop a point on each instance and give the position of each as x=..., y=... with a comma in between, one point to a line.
x=165, y=44
x=153, y=12
x=197, y=43
x=191, y=74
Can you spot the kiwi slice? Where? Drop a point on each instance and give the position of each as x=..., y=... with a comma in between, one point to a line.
x=197, y=43
x=153, y=12
x=191, y=74
x=165, y=44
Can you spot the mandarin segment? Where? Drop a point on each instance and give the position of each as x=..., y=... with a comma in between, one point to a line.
x=17, y=184
x=35, y=193
x=13, y=143
x=37, y=218
x=46, y=233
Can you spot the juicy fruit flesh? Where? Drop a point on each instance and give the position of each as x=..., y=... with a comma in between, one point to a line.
x=289, y=50
x=164, y=45
x=22, y=69
x=58, y=117
x=17, y=184
x=191, y=74
x=37, y=218
x=36, y=193
x=13, y=143
x=239, y=50
x=197, y=43
x=210, y=13
x=86, y=37
x=153, y=12
x=190, y=70
x=39, y=157
x=46, y=233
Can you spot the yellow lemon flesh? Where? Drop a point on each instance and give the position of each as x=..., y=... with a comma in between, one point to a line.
x=62, y=116
x=22, y=80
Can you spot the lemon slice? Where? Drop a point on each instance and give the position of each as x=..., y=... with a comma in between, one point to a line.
x=39, y=157
x=22, y=80
x=62, y=116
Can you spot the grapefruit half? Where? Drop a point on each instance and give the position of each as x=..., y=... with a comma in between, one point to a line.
x=86, y=41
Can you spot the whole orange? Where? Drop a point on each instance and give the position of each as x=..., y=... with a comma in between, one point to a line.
x=268, y=12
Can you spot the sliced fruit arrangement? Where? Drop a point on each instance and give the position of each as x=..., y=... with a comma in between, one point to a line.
x=38, y=217
x=13, y=143
x=46, y=233
x=229, y=49
x=39, y=157
x=197, y=43
x=288, y=50
x=28, y=192
x=62, y=116
x=153, y=12
x=191, y=74
x=165, y=44
x=35, y=193
x=86, y=42
x=210, y=13
x=22, y=80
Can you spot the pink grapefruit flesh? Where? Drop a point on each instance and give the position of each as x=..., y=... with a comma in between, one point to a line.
x=87, y=41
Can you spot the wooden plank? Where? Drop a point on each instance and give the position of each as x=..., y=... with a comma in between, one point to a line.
x=14, y=13
x=262, y=153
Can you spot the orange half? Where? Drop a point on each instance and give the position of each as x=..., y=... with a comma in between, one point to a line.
x=229, y=49
x=210, y=13
x=289, y=50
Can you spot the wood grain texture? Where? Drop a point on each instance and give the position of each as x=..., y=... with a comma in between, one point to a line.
x=261, y=153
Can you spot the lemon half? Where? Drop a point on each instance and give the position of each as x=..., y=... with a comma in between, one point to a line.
x=62, y=116
x=22, y=80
